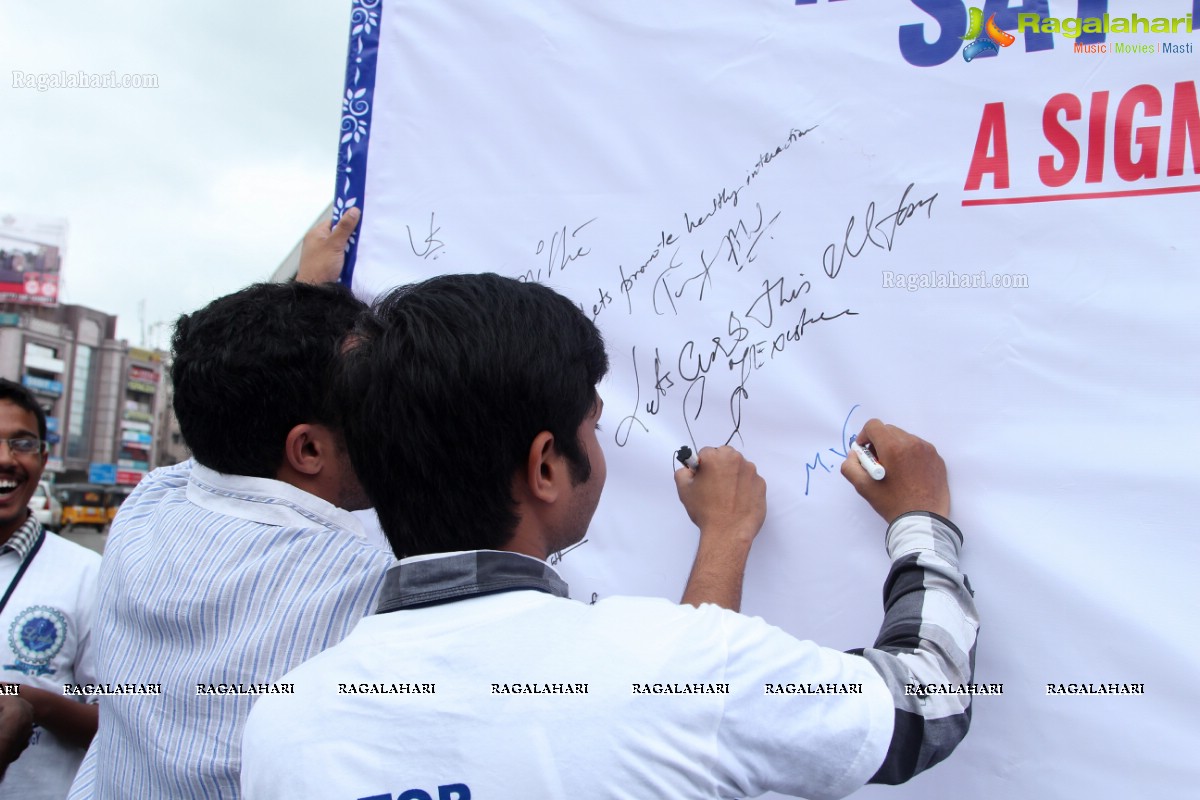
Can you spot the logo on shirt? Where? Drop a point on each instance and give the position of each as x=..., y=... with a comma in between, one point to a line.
x=36, y=636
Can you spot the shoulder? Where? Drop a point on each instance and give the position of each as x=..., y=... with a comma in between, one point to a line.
x=154, y=484
x=172, y=477
x=657, y=612
x=736, y=638
x=68, y=556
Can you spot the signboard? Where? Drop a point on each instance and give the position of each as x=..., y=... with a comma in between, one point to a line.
x=143, y=374
x=102, y=473
x=42, y=385
x=142, y=354
x=31, y=258
x=128, y=477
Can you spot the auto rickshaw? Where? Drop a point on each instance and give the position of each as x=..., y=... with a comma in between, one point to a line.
x=83, y=504
x=113, y=499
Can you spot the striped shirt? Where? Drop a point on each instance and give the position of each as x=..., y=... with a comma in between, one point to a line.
x=925, y=650
x=213, y=586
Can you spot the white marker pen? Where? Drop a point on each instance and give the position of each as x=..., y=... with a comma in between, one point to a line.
x=868, y=461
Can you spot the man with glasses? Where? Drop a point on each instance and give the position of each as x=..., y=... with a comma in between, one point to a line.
x=47, y=597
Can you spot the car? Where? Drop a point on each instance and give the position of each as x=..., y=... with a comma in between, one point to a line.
x=45, y=507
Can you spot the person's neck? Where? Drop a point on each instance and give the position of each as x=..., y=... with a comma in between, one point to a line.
x=527, y=544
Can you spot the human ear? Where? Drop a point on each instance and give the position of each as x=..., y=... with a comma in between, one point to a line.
x=544, y=468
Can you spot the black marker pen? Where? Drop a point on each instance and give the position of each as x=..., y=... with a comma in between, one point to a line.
x=686, y=457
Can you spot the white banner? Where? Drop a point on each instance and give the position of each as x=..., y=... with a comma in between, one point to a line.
x=786, y=218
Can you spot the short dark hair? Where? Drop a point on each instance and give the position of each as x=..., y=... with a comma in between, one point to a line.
x=250, y=366
x=23, y=398
x=446, y=386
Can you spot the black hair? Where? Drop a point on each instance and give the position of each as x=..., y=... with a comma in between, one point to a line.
x=23, y=398
x=250, y=366
x=446, y=386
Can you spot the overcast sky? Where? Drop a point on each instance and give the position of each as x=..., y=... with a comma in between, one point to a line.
x=179, y=194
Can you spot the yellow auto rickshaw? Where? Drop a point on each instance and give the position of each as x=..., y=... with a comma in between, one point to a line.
x=83, y=504
x=113, y=499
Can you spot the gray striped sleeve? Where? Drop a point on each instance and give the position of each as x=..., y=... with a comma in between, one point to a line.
x=926, y=646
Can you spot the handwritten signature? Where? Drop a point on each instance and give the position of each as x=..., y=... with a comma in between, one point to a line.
x=430, y=246
x=833, y=260
x=843, y=453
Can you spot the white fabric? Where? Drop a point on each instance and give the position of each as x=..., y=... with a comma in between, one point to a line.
x=566, y=140
x=55, y=600
x=609, y=742
x=211, y=578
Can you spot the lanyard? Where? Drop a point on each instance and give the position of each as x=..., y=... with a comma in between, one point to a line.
x=37, y=545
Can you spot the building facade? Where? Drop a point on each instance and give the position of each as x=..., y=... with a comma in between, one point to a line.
x=107, y=404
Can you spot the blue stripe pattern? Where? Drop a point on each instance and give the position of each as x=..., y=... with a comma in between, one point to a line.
x=227, y=580
x=357, y=100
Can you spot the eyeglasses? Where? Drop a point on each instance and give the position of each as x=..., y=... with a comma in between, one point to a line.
x=25, y=445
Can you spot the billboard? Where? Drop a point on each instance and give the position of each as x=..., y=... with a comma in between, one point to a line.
x=31, y=249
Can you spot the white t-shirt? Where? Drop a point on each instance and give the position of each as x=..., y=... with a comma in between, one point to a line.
x=674, y=704
x=45, y=641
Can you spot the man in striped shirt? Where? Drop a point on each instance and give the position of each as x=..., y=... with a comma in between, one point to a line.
x=222, y=573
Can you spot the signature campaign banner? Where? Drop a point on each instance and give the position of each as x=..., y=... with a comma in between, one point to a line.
x=975, y=222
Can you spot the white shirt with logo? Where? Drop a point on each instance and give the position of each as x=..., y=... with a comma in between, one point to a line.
x=45, y=641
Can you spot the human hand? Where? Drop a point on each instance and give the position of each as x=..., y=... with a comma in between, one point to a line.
x=16, y=726
x=915, y=474
x=323, y=251
x=725, y=497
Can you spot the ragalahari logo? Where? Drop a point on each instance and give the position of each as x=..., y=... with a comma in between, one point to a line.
x=987, y=38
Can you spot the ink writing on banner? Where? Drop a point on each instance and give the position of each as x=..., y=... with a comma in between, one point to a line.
x=557, y=557
x=725, y=363
x=566, y=245
x=662, y=384
x=842, y=452
x=681, y=267
x=706, y=381
x=882, y=233
x=425, y=244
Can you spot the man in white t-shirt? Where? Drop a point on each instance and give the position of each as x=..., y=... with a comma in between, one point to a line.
x=47, y=601
x=471, y=419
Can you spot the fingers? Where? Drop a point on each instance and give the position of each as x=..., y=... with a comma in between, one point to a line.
x=323, y=251
x=345, y=226
x=916, y=474
x=872, y=430
x=683, y=480
x=725, y=496
x=854, y=472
